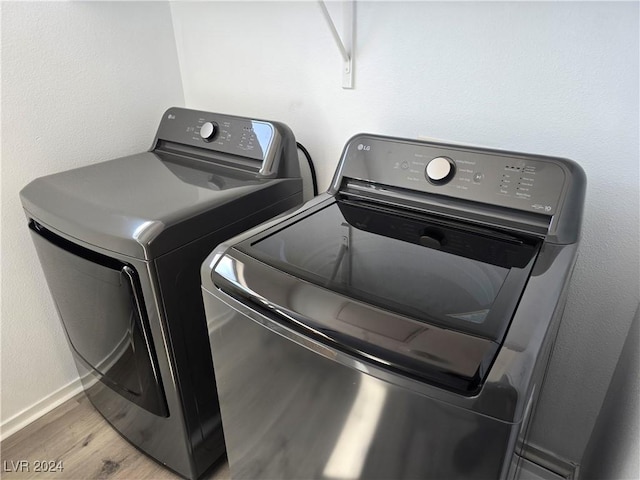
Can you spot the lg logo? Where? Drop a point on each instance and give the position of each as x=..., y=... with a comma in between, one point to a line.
x=366, y=148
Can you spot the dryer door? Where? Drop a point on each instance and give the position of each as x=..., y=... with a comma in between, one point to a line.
x=100, y=303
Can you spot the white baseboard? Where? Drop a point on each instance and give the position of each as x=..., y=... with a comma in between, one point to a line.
x=57, y=398
x=551, y=461
x=35, y=411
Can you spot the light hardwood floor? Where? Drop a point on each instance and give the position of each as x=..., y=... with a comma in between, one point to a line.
x=76, y=435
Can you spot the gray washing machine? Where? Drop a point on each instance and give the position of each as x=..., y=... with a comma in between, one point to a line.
x=400, y=325
x=121, y=244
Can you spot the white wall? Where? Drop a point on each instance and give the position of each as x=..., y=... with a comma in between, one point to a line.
x=549, y=78
x=82, y=82
x=612, y=451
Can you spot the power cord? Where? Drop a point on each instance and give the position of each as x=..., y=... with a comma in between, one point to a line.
x=314, y=179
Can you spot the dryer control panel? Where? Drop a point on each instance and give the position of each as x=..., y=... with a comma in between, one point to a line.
x=244, y=138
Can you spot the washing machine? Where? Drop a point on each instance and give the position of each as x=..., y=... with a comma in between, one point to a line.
x=399, y=325
x=121, y=244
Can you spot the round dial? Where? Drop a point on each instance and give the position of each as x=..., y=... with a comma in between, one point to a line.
x=440, y=170
x=208, y=130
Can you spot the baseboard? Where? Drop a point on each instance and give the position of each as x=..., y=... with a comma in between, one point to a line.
x=549, y=460
x=32, y=413
x=37, y=410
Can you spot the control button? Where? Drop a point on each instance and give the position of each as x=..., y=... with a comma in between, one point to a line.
x=440, y=170
x=477, y=177
x=208, y=131
x=404, y=165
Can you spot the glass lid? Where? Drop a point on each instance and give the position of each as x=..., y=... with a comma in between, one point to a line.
x=463, y=278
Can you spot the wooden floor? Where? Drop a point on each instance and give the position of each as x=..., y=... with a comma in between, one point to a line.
x=77, y=438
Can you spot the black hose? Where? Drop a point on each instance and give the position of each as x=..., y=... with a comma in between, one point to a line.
x=314, y=179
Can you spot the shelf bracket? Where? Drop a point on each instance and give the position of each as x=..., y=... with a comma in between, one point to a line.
x=346, y=44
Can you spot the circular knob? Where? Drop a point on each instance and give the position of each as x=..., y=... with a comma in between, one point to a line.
x=208, y=130
x=440, y=170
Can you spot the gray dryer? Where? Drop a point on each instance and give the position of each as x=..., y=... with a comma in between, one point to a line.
x=121, y=243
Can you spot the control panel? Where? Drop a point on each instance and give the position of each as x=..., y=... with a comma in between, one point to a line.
x=518, y=181
x=252, y=139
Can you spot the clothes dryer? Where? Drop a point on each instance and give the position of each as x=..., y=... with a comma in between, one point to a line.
x=121, y=244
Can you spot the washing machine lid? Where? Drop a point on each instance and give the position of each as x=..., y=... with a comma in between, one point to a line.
x=414, y=293
x=148, y=204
